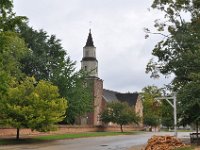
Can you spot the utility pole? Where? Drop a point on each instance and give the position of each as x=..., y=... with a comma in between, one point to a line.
x=174, y=107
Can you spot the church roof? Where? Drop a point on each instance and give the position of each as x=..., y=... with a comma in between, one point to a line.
x=112, y=96
x=89, y=40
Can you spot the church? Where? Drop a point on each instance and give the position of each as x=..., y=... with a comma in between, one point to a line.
x=102, y=96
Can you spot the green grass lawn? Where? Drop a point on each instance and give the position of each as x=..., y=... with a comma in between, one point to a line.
x=80, y=135
x=46, y=138
x=186, y=148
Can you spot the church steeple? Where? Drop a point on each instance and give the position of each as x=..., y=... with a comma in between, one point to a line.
x=89, y=62
x=89, y=40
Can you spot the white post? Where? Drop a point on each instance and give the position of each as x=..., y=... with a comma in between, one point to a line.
x=175, y=116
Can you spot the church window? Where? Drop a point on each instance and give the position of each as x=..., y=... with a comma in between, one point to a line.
x=85, y=68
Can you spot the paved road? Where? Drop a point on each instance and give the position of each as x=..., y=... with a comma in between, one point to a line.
x=123, y=142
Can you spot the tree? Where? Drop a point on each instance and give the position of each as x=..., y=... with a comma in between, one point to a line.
x=12, y=50
x=119, y=113
x=179, y=52
x=167, y=114
x=151, y=107
x=32, y=105
x=8, y=20
x=181, y=45
x=45, y=59
x=189, y=106
x=49, y=61
x=12, y=47
x=79, y=95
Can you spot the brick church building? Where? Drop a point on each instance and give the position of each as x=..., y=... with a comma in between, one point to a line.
x=100, y=95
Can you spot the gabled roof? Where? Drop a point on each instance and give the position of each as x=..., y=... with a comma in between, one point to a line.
x=89, y=40
x=112, y=96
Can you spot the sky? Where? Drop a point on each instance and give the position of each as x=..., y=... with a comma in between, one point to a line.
x=118, y=34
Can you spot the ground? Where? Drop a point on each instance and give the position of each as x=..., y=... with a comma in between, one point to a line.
x=138, y=147
x=122, y=142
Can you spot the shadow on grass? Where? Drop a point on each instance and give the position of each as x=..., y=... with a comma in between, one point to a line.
x=13, y=141
x=49, y=138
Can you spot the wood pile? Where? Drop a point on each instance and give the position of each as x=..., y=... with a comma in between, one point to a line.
x=164, y=143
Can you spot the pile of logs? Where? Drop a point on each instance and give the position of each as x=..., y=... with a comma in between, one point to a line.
x=164, y=143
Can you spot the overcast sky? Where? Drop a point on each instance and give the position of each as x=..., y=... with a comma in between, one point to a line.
x=117, y=30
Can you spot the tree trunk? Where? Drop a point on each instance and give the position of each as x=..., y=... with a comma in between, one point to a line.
x=121, y=128
x=17, y=137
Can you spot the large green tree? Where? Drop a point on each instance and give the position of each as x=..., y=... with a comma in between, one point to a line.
x=151, y=106
x=47, y=58
x=32, y=105
x=119, y=113
x=12, y=47
x=49, y=61
x=179, y=51
x=189, y=108
x=12, y=50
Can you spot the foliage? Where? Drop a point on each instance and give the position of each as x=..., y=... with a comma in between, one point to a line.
x=119, y=113
x=79, y=96
x=12, y=47
x=32, y=105
x=12, y=50
x=179, y=52
x=189, y=104
x=47, y=58
x=49, y=61
x=8, y=20
x=151, y=107
x=4, y=83
x=167, y=114
x=152, y=120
